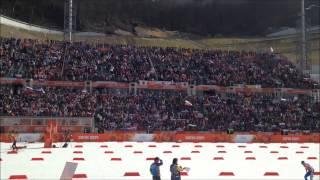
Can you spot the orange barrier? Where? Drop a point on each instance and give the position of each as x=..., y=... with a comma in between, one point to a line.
x=197, y=137
x=295, y=138
x=5, y=138
x=41, y=128
x=51, y=132
x=185, y=137
x=109, y=136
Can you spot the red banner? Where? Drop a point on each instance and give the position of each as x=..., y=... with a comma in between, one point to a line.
x=163, y=85
x=110, y=84
x=159, y=85
x=199, y=137
x=186, y=137
x=109, y=136
x=39, y=128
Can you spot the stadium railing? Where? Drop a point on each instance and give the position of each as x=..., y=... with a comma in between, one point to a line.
x=160, y=85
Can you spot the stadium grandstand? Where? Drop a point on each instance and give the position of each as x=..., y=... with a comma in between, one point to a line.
x=88, y=92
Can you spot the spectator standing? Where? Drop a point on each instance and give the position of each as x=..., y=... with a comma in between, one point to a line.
x=175, y=170
x=155, y=168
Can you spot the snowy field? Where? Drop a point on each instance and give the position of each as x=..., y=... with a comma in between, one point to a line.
x=115, y=160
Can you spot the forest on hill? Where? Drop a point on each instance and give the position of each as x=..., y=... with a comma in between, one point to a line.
x=202, y=17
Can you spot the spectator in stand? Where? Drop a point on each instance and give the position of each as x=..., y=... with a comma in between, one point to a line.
x=56, y=60
x=155, y=110
x=54, y=102
x=166, y=110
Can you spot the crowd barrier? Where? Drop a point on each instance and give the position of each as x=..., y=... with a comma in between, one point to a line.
x=40, y=128
x=183, y=137
x=160, y=85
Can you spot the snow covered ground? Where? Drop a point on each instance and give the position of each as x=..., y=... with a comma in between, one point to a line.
x=206, y=160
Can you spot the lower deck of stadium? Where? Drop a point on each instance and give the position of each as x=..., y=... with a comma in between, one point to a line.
x=131, y=160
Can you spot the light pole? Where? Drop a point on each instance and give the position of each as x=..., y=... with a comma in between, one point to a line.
x=70, y=20
x=304, y=65
x=303, y=61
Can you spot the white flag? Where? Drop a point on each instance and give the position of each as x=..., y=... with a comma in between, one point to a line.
x=187, y=103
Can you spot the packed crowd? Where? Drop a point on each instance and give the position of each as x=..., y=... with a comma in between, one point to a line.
x=46, y=102
x=169, y=111
x=56, y=60
x=165, y=110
